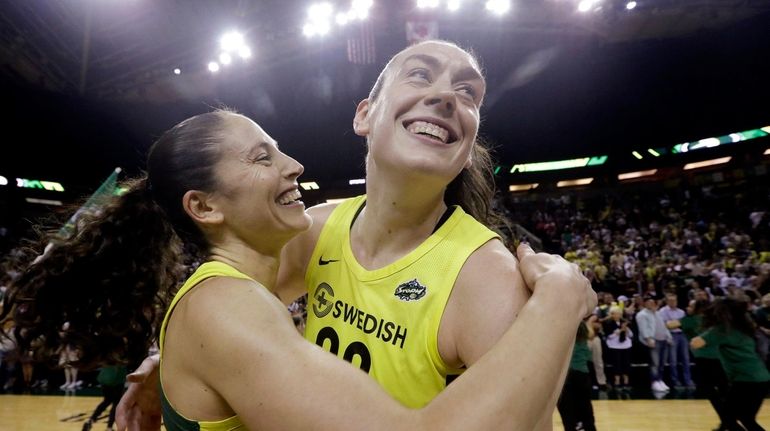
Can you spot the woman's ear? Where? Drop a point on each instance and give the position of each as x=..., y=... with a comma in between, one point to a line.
x=361, y=119
x=201, y=208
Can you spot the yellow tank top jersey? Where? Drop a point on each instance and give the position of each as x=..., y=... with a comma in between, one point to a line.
x=386, y=321
x=172, y=420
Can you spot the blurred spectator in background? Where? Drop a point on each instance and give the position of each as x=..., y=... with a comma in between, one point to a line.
x=654, y=334
x=679, y=353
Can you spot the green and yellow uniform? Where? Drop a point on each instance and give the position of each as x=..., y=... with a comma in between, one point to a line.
x=386, y=320
x=171, y=418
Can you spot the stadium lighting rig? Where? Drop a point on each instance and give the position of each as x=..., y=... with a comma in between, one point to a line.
x=231, y=45
x=321, y=17
x=498, y=7
x=324, y=16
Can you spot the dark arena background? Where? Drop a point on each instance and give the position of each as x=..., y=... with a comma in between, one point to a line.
x=632, y=137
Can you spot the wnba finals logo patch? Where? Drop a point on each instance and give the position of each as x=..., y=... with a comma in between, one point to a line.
x=410, y=291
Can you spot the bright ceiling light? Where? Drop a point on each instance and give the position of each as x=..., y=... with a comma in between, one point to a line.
x=361, y=8
x=585, y=5
x=319, y=17
x=309, y=30
x=231, y=41
x=342, y=18
x=244, y=52
x=637, y=174
x=522, y=187
x=705, y=163
x=578, y=182
x=214, y=66
x=498, y=6
x=453, y=5
x=423, y=4
x=225, y=58
x=177, y=71
x=630, y=5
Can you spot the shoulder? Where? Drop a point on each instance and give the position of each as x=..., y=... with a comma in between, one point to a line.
x=216, y=306
x=209, y=297
x=490, y=260
x=491, y=275
x=485, y=300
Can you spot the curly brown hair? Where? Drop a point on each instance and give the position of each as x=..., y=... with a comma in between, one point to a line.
x=113, y=276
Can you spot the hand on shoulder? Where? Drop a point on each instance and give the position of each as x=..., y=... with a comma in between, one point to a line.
x=551, y=276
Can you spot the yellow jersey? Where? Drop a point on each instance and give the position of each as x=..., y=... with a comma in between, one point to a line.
x=386, y=320
x=172, y=419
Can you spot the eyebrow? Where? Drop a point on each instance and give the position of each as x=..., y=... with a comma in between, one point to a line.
x=263, y=145
x=466, y=74
x=427, y=59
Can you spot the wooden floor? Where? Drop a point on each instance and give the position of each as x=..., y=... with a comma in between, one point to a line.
x=68, y=412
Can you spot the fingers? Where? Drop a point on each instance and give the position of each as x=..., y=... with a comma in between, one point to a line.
x=122, y=412
x=146, y=368
x=524, y=250
x=136, y=377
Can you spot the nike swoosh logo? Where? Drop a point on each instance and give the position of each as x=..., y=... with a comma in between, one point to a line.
x=321, y=261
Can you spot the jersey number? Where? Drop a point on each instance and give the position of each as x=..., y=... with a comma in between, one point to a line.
x=355, y=348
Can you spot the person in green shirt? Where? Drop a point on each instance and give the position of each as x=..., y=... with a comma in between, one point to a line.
x=730, y=329
x=113, y=379
x=575, y=401
x=712, y=380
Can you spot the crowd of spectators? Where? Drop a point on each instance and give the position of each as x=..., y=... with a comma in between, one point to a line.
x=648, y=253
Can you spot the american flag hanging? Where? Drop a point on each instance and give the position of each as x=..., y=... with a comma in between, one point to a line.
x=361, y=49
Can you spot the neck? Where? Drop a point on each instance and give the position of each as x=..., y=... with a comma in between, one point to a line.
x=398, y=217
x=262, y=267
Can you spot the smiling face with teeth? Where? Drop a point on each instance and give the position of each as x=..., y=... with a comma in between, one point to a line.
x=257, y=193
x=423, y=115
